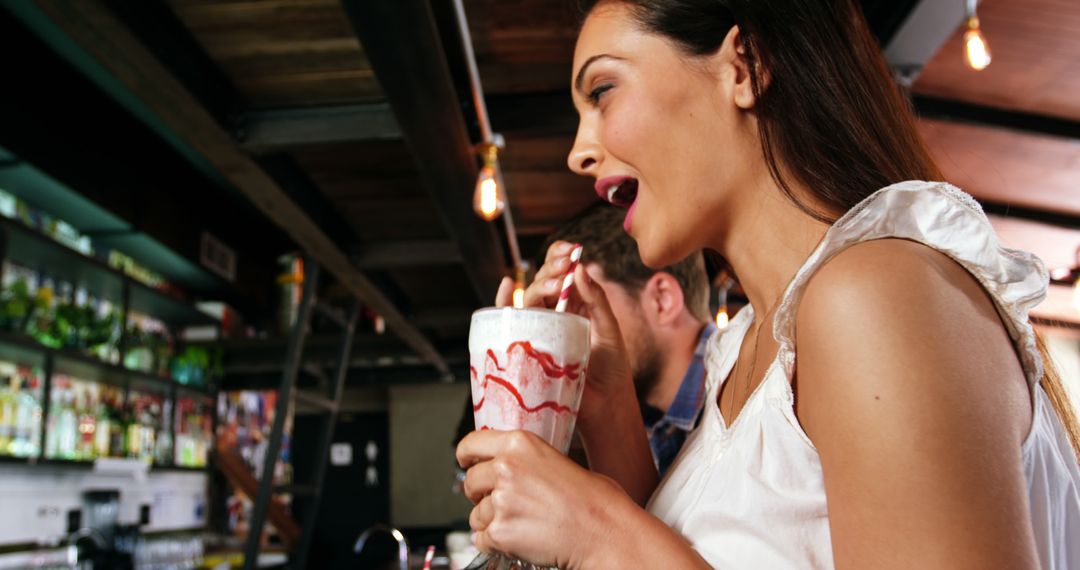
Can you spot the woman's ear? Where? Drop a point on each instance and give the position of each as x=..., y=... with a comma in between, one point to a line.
x=734, y=54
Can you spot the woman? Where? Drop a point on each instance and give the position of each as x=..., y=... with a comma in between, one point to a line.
x=907, y=424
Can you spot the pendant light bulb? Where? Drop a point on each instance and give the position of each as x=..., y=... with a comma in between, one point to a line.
x=976, y=48
x=488, y=201
x=519, y=287
x=722, y=317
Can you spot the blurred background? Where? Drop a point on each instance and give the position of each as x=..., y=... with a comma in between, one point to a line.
x=242, y=239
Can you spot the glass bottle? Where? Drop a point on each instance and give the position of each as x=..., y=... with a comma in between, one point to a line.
x=7, y=407
x=68, y=425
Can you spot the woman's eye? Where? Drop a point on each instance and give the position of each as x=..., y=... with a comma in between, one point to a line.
x=595, y=94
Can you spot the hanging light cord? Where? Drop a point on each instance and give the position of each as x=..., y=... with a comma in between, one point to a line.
x=487, y=136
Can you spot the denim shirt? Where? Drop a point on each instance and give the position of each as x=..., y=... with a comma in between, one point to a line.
x=668, y=431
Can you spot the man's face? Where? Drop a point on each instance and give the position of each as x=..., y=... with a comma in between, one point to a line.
x=637, y=332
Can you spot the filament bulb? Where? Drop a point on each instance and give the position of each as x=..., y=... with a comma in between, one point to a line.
x=488, y=200
x=976, y=49
x=722, y=317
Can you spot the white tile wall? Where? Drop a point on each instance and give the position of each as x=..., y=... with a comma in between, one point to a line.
x=35, y=500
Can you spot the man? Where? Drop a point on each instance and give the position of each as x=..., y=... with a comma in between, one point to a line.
x=664, y=319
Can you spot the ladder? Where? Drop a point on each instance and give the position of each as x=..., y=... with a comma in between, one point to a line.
x=328, y=404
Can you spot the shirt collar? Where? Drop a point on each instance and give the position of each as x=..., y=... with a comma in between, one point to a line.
x=689, y=399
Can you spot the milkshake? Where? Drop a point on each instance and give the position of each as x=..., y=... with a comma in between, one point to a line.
x=527, y=369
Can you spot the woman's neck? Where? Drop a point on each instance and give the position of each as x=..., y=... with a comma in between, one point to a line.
x=768, y=240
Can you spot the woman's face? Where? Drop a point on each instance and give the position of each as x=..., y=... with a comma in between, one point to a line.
x=662, y=133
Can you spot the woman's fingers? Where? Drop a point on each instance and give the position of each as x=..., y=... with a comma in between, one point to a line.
x=479, y=481
x=485, y=444
x=558, y=248
x=543, y=292
x=481, y=515
x=505, y=296
x=595, y=301
x=478, y=446
x=547, y=283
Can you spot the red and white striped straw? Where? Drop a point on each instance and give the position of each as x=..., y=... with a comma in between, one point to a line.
x=429, y=556
x=568, y=281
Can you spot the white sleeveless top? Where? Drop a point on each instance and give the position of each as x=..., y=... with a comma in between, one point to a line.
x=752, y=495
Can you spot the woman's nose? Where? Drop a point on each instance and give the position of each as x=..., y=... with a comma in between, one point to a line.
x=585, y=155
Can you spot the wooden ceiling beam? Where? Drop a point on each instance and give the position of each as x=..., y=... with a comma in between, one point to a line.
x=535, y=114
x=960, y=111
x=281, y=129
x=1005, y=210
x=96, y=29
x=402, y=43
x=444, y=317
x=391, y=255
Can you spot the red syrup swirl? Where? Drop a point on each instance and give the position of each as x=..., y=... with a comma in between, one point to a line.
x=552, y=371
x=517, y=396
x=546, y=361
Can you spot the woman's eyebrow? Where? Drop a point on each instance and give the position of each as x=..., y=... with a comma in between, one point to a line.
x=581, y=72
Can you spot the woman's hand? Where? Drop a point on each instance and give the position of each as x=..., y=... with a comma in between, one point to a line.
x=609, y=368
x=534, y=503
x=609, y=419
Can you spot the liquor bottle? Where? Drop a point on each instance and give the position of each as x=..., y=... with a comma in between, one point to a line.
x=68, y=426
x=52, y=428
x=85, y=404
x=188, y=451
x=133, y=428
x=149, y=434
x=42, y=327
x=27, y=418
x=103, y=433
x=7, y=409
x=117, y=424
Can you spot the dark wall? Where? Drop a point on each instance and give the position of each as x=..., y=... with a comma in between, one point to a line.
x=351, y=503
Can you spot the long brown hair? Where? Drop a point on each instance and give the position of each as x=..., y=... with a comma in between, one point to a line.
x=830, y=114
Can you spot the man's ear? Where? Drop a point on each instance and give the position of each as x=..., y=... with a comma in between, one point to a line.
x=663, y=298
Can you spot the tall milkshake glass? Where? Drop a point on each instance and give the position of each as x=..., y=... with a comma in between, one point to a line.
x=527, y=369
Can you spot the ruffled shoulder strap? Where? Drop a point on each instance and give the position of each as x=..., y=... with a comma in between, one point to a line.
x=943, y=217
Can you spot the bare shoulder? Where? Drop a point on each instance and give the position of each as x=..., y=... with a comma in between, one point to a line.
x=893, y=314
x=906, y=294
x=877, y=276
x=909, y=387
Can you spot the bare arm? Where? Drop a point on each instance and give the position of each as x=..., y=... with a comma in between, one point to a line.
x=909, y=387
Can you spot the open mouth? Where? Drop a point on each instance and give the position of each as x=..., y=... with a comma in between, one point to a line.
x=623, y=194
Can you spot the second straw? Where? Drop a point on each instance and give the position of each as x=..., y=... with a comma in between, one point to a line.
x=568, y=281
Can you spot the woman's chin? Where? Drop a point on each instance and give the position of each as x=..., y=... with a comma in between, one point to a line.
x=656, y=254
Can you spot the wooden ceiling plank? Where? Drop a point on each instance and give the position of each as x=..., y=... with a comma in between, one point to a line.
x=531, y=115
x=270, y=131
x=391, y=255
x=1034, y=123
x=96, y=29
x=1027, y=175
x=402, y=43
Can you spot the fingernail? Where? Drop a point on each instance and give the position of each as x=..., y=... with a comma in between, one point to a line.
x=551, y=283
x=565, y=247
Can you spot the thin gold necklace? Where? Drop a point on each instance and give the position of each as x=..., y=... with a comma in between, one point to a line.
x=757, y=340
x=753, y=365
